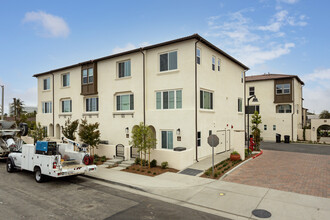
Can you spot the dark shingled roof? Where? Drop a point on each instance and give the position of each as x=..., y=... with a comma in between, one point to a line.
x=270, y=76
x=194, y=36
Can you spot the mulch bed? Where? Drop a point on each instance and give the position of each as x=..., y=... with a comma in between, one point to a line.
x=223, y=167
x=154, y=171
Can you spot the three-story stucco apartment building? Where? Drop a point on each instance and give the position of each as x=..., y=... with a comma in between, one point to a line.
x=184, y=89
x=280, y=104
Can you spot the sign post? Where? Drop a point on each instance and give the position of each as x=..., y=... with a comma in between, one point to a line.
x=213, y=141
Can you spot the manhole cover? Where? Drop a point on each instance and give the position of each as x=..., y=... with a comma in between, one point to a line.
x=261, y=213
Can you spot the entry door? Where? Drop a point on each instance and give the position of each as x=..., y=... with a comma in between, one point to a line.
x=222, y=138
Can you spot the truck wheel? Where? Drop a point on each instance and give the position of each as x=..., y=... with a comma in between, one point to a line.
x=38, y=176
x=10, y=166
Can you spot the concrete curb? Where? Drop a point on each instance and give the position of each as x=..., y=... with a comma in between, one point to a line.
x=235, y=168
x=115, y=183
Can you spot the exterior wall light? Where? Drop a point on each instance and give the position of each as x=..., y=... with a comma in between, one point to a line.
x=178, y=132
x=127, y=130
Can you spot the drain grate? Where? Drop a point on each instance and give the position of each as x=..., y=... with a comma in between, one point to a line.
x=261, y=213
x=191, y=172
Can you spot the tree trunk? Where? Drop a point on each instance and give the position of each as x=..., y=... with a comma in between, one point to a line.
x=149, y=157
x=141, y=158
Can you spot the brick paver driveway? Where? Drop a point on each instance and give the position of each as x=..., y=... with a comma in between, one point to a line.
x=286, y=171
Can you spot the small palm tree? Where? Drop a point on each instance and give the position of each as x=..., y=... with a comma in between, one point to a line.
x=17, y=108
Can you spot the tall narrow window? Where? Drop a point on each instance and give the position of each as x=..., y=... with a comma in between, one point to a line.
x=199, y=138
x=46, y=107
x=167, y=139
x=265, y=127
x=240, y=104
x=198, y=56
x=66, y=106
x=66, y=80
x=125, y=102
x=92, y=104
x=274, y=127
x=251, y=90
x=90, y=75
x=168, y=61
x=219, y=62
x=213, y=63
x=169, y=99
x=85, y=78
x=124, y=69
x=206, y=100
x=47, y=84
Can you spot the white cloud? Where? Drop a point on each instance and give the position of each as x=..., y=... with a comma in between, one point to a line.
x=289, y=1
x=128, y=46
x=47, y=25
x=319, y=74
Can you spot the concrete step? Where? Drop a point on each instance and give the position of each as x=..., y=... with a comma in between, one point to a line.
x=117, y=160
x=124, y=165
x=111, y=163
x=128, y=162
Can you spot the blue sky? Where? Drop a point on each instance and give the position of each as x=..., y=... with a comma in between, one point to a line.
x=276, y=36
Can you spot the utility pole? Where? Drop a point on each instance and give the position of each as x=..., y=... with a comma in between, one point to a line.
x=3, y=101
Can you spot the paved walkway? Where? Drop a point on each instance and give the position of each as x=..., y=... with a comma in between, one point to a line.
x=235, y=202
x=292, y=172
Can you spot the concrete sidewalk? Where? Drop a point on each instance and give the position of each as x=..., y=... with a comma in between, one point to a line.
x=237, y=201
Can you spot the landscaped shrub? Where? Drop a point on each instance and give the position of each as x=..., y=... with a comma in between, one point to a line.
x=164, y=165
x=144, y=162
x=215, y=175
x=207, y=173
x=235, y=153
x=103, y=158
x=154, y=173
x=149, y=171
x=153, y=163
x=137, y=161
x=96, y=157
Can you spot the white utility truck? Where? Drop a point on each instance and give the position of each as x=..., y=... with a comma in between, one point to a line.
x=51, y=159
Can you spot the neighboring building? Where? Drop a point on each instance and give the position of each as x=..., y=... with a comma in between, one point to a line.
x=184, y=89
x=280, y=104
x=26, y=109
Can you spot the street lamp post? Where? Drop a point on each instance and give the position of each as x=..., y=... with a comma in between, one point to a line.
x=248, y=116
x=3, y=100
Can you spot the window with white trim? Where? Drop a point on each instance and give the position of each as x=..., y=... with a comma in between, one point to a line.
x=240, y=105
x=213, y=63
x=219, y=63
x=283, y=109
x=66, y=106
x=46, y=83
x=124, y=69
x=45, y=130
x=88, y=76
x=169, y=99
x=206, y=100
x=167, y=139
x=92, y=104
x=66, y=80
x=198, y=56
x=125, y=102
x=251, y=90
x=46, y=107
x=282, y=89
x=168, y=61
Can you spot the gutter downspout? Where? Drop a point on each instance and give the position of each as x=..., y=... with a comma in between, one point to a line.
x=293, y=109
x=144, y=87
x=196, y=99
x=53, y=106
x=245, y=128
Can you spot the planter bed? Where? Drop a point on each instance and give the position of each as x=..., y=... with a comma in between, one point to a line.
x=144, y=170
x=223, y=167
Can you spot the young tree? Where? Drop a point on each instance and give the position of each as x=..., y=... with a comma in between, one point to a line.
x=325, y=114
x=142, y=138
x=70, y=129
x=256, y=120
x=89, y=134
x=17, y=108
x=38, y=133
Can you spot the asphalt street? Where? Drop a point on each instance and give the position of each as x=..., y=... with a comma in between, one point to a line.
x=80, y=198
x=322, y=149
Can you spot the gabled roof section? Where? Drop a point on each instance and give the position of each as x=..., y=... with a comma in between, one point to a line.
x=270, y=76
x=194, y=36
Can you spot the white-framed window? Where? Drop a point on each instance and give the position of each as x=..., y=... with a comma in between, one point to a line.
x=213, y=63
x=199, y=138
x=240, y=105
x=169, y=99
x=125, y=102
x=198, y=56
x=45, y=130
x=265, y=127
x=251, y=90
x=282, y=89
x=283, y=109
x=66, y=80
x=219, y=64
x=46, y=83
x=66, y=105
x=274, y=127
x=88, y=76
x=168, y=61
x=206, y=100
x=242, y=77
x=46, y=107
x=92, y=104
x=167, y=139
x=124, y=69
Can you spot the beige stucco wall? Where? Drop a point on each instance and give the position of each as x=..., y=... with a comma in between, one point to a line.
x=264, y=91
x=225, y=84
x=301, y=134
